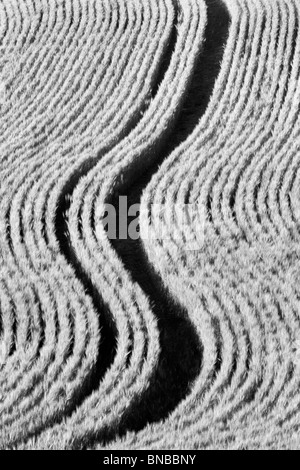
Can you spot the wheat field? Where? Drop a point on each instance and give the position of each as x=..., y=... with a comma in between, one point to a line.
x=186, y=336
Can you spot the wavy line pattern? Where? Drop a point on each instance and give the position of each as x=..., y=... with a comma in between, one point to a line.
x=188, y=338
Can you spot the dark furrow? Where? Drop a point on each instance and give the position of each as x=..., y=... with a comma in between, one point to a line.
x=108, y=344
x=108, y=334
x=181, y=352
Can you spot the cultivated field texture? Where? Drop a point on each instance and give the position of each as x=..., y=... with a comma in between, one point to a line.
x=186, y=340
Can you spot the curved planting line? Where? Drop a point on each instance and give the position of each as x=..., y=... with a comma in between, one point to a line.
x=108, y=347
x=180, y=359
x=205, y=328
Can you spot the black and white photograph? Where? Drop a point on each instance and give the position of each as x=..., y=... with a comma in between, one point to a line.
x=149, y=228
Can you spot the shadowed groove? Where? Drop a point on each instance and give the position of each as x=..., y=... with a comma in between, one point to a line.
x=181, y=356
x=108, y=338
x=109, y=334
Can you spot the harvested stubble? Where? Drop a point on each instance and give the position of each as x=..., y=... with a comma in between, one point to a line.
x=93, y=92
